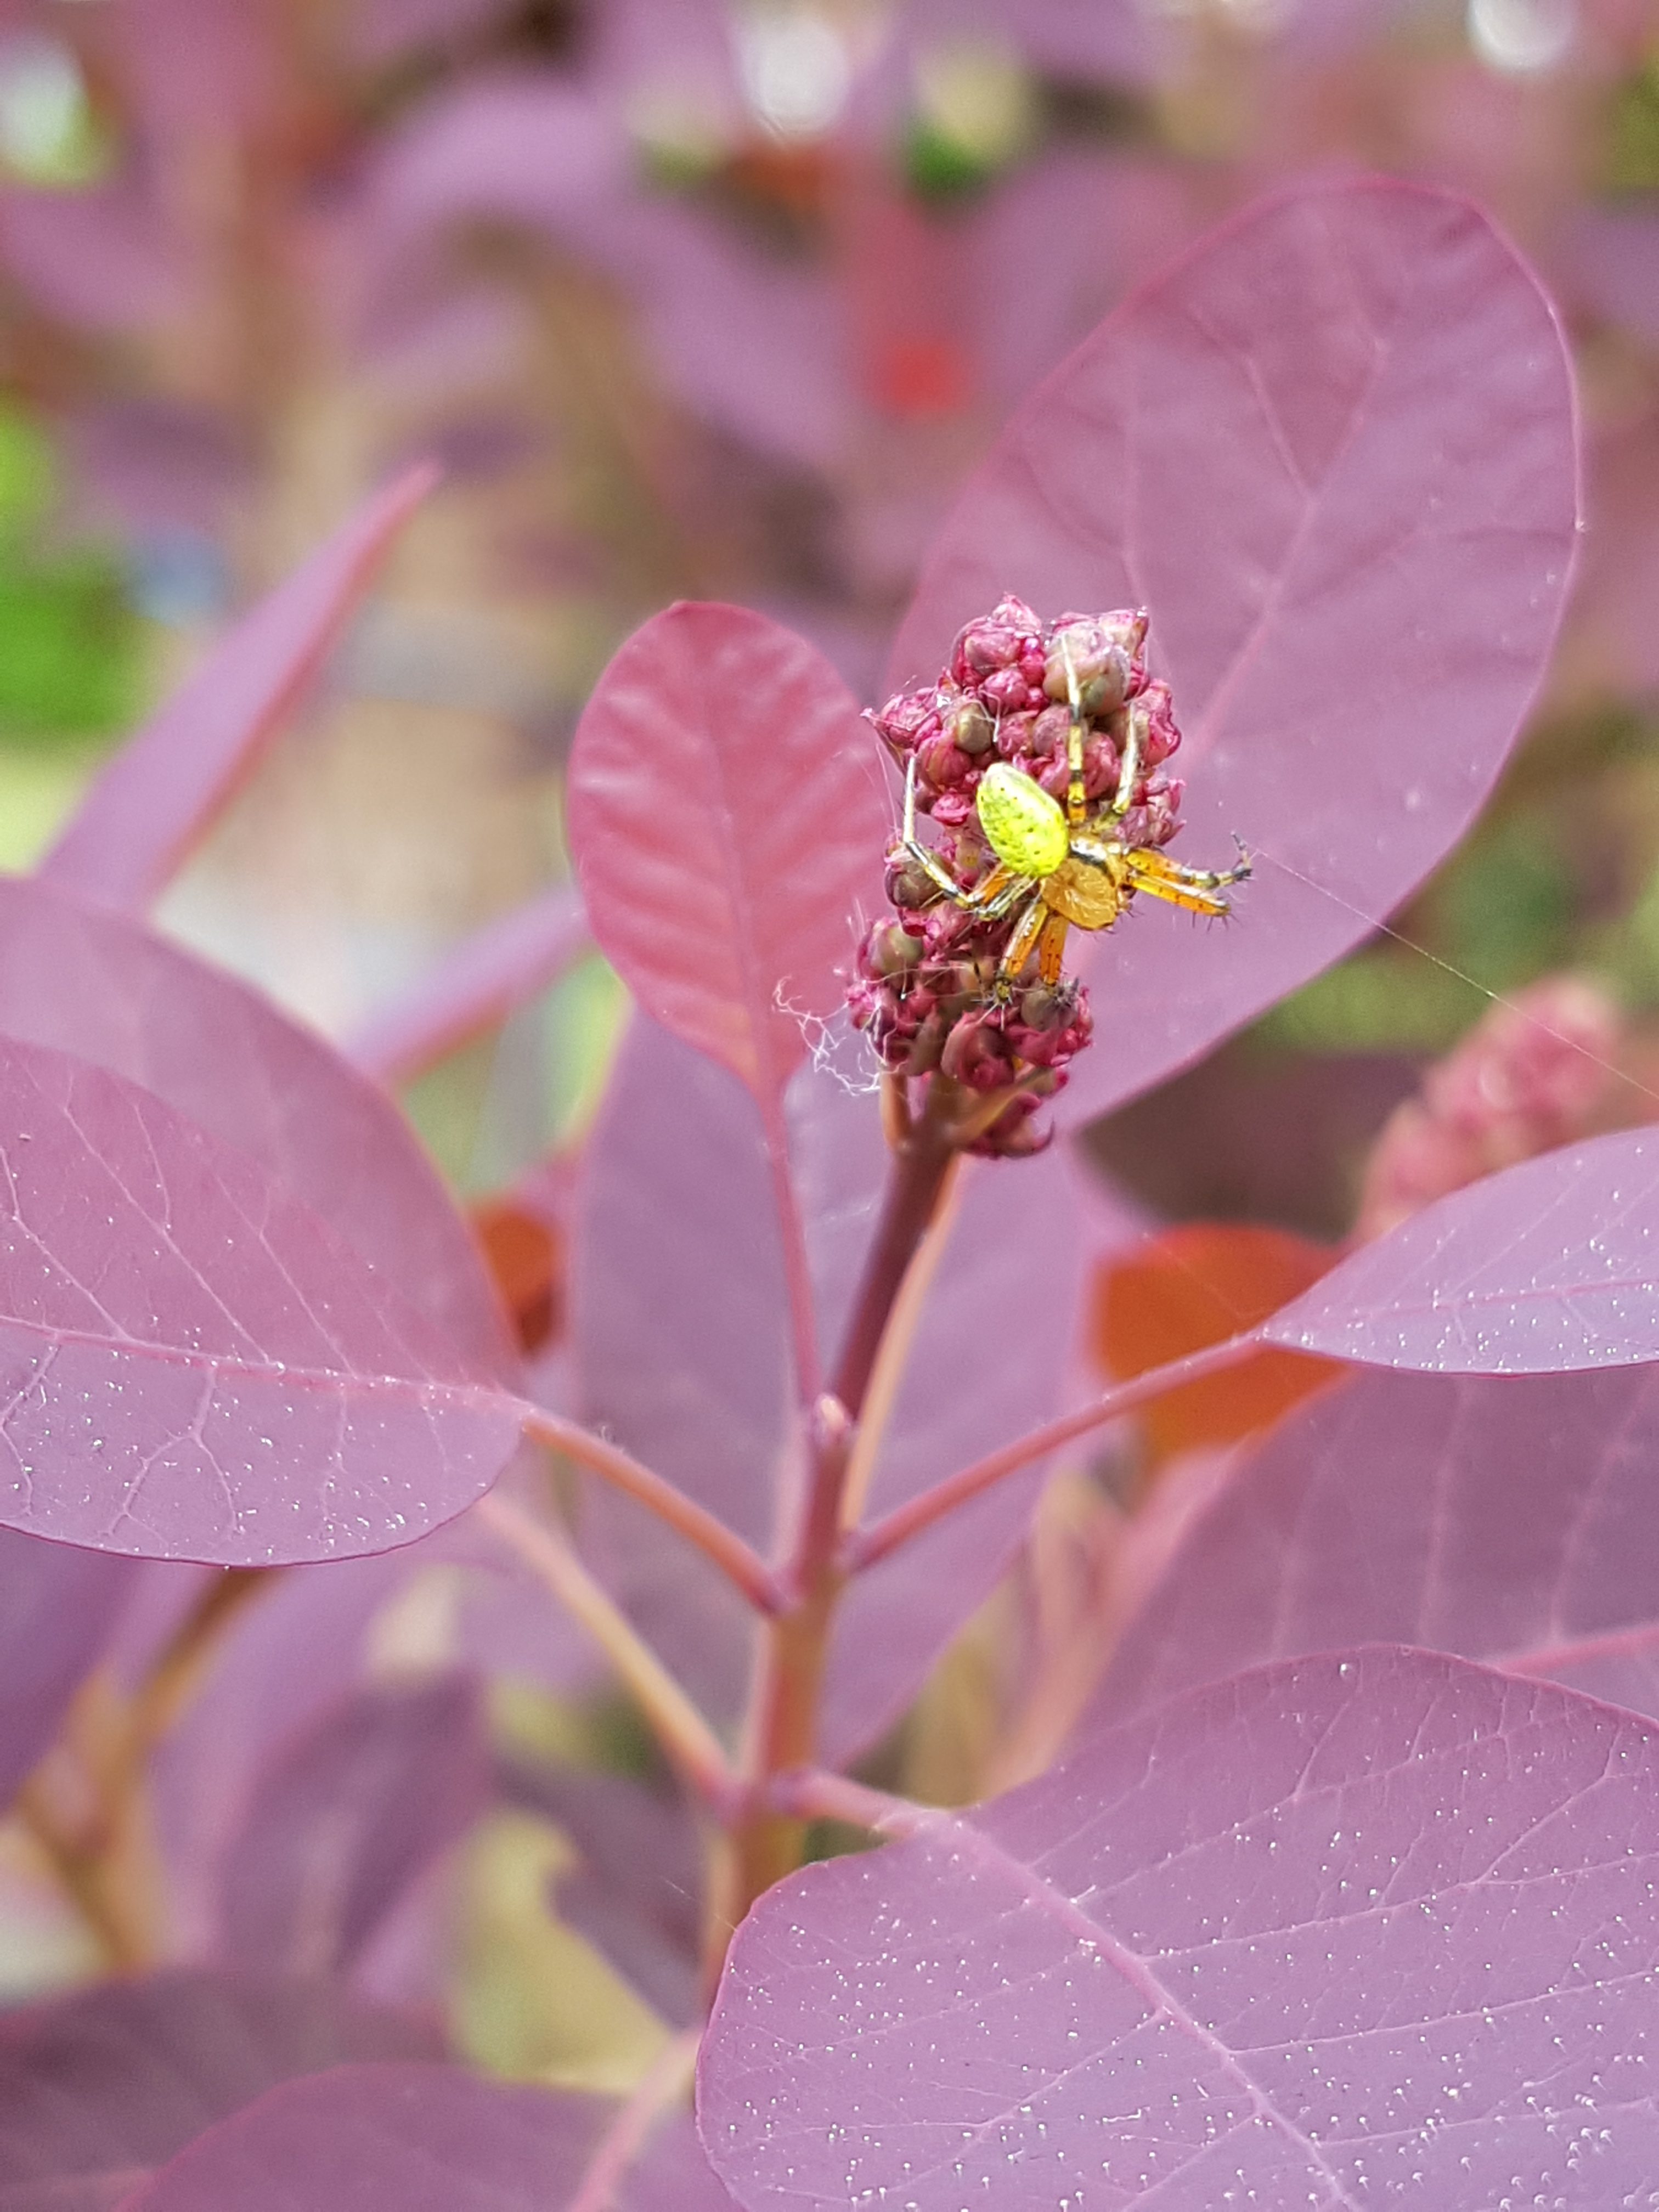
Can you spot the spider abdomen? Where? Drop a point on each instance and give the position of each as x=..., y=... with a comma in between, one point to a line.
x=1024, y=826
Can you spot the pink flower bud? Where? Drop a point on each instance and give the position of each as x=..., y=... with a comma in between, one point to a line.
x=1050, y=731
x=977, y=1054
x=1005, y=692
x=973, y=729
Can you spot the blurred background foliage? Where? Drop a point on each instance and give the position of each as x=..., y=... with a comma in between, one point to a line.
x=720, y=298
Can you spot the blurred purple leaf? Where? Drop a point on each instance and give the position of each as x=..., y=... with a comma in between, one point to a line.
x=681, y=1341
x=1550, y=1266
x=281, y=1665
x=196, y=65
x=990, y=1358
x=386, y=2139
x=197, y=1366
x=1612, y=266
x=354, y=1811
x=637, y=1893
x=104, y=988
x=101, y=260
x=58, y=1607
x=726, y=817
x=1333, y=453
x=98, y=2088
x=159, y=793
x=1379, y=1927
x=1506, y=1519
x=673, y=2175
x=473, y=986
x=682, y=1353
x=381, y=30
x=1071, y=39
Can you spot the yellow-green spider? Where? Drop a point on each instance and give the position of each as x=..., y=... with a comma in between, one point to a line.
x=1063, y=867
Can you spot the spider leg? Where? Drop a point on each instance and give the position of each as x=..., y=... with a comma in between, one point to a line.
x=1128, y=770
x=1051, y=948
x=1077, y=801
x=1027, y=932
x=1195, y=889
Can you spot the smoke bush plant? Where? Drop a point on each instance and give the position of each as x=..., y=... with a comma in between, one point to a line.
x=1341, y=1891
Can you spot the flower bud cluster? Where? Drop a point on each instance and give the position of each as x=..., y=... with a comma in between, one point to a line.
x=1007, y=695
x=1532, y=1074
x=924, y=989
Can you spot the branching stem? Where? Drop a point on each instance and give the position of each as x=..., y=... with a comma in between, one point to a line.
x=863, y=1546
x=736, y=1560
x=688, y=1742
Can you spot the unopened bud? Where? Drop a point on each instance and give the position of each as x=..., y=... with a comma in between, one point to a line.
x=973, y=729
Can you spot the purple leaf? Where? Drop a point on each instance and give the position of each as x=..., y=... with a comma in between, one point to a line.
x=58, y=1606
x=1358, y=1929
x=673, y=2175
x=1548, y=1267
x=196, y=1364
x=104, y=988
x=99, y=261
x=726, y=817
x=1070, y=38
x=348, y=1818
x=1333, y=453
x=476, y=985
x=159, y=793
x=682, y=1347
x=386, y=2139
x=636, y=1893
x=991, y=1359
x=682, y=1350
x=98, y=2088
x=1509, y=1519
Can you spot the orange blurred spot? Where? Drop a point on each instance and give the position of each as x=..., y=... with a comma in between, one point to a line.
x=921, y=376
x=1195, y=1286
x=525, y=1256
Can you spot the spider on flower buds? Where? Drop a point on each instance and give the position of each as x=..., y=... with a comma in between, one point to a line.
x=1059, y=868
x=1039, y=753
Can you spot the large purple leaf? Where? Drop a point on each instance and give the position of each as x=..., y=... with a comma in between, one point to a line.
x=194, y=1364
x=1361, y=1929
x=386, y=2139
x=58, y=1606
x=103, y=987
x=681, y=1340
x=161, y=790
x=990, y=1358
x=476, y=985
x=727, y=818
x=1550, y=1266
x=682, y=1350
x=1508, y=1518
x=352, y=1814
x=98, y=2088
x=1331, y=450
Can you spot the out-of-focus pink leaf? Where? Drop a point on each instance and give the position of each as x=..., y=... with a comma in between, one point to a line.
x=58, y=1606
x=681, y=1341
x=1550, y=1266
x=196, y=64
x=386, y=2139
x=1333, y=453
x=673, y=2174
x=1361, y=1929
x=348, y=1818
x=726, y=818
x=1507, y=1518
x=104, y=988
x=682, y=1351
x=196, y=1365
x=992, y=1355
x=98, y=2088
x=1112, y=40
x=382, y=30
x=476, y=985
x=101, y=260
x=636, y=1893
x=161, y=790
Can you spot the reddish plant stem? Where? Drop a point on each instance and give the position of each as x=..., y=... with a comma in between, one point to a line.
x=922, y=1161
x=808, y=1792
x=863, y=1546
x=619, y=2147
x=736, y=1560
